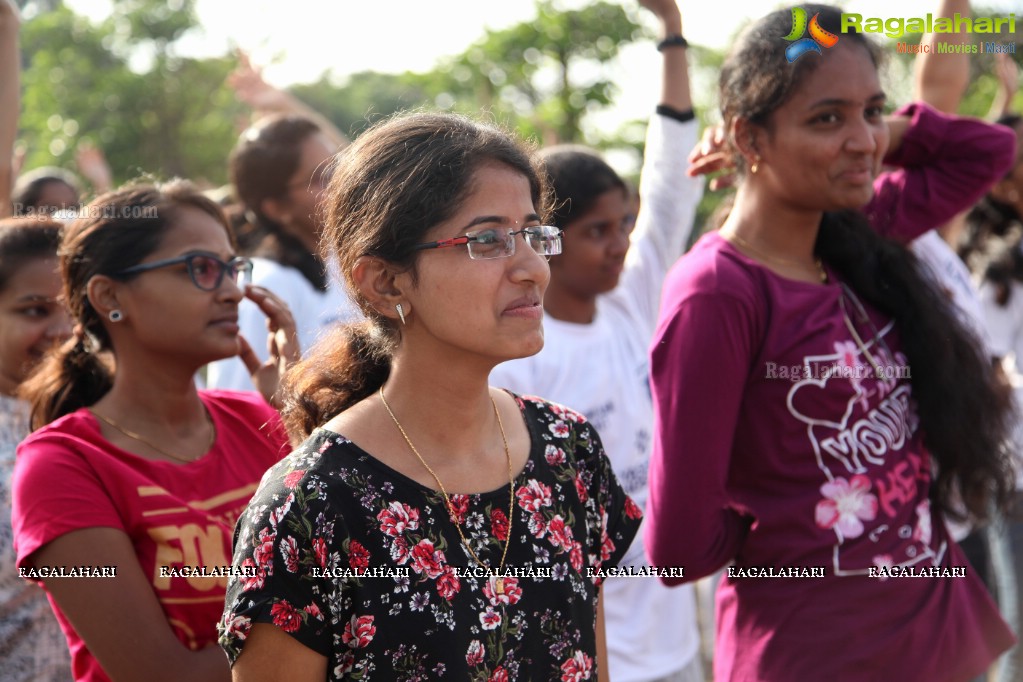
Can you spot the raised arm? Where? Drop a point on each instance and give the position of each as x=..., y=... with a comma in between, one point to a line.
x=248, y=84
x=10, y=101
x=1008, y=83
x=941, y=79
x=668, y=197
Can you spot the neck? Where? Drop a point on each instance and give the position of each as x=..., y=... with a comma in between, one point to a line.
x=563, y=304
x=160, y=395
x=435, y=402
x=776, y=231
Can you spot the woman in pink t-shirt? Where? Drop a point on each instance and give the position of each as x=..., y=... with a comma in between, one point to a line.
x=125, y=498
x=818, y=404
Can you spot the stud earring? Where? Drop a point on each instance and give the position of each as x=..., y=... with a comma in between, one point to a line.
x=401, y=313
x=755, y=167
x=115, y=316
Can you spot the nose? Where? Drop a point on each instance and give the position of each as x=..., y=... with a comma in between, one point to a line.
x=618, y=244
x=529, y=266
x=60, y=326
x=862, y=137
x=230, y=290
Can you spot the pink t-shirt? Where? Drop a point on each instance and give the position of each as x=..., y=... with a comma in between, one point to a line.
x=68, y=477
x=777, y=448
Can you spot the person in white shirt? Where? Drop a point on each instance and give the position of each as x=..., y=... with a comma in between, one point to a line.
x=278, y=169
x=599, y=315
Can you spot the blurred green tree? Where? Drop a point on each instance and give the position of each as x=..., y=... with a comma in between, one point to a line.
x=121, y=85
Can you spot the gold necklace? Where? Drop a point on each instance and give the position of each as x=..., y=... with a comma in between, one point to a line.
x=779, y=261
x=499, y=583
x=135, y=436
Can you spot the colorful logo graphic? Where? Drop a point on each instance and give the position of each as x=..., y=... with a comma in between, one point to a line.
x=818, y=36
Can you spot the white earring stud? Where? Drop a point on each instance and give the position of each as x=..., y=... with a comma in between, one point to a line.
x=115, y=316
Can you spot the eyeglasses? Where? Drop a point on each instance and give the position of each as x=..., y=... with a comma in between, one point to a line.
x=207, y=272
x=499, y=242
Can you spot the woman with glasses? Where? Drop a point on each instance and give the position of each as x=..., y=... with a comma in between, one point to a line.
x=279, y=169
x=819, y=406
x=478, y=514
x=126, y=496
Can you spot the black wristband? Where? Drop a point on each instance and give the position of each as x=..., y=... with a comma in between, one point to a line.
x=675, y=40
x=673, y=113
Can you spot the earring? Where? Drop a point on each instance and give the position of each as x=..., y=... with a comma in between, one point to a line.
x=401, y=313
x=755, y=167
x=115, y=316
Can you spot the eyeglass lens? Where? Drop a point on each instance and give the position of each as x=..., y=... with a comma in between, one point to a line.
x=500, y=242
x=208, y=272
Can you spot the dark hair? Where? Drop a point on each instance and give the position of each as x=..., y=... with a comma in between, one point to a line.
x=116, y=231
x=962, y=412
x=23, y=240
x=28, y=190
x=991, y=220
x=578, y=177
x=262, y=165
x=398, y=180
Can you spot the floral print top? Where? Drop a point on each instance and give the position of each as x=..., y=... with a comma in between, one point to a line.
x=422, y=608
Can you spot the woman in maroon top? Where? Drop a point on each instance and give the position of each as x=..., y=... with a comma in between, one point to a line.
x=805, y=375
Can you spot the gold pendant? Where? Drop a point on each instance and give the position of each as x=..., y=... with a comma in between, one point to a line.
x=499, y=586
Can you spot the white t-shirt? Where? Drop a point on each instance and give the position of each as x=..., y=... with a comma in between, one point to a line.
x=1005, y=324
x=314, y=311
x=600, y=369
x=951, y=274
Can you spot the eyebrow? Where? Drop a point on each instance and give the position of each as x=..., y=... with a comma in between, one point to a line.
x=480, y=220
x=36, y=298
x=847, y=102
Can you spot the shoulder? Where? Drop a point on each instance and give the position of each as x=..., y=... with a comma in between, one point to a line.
x=558, y=425
x=246, y=402
x=79, y=428
x=712, y=269
x=245, y=411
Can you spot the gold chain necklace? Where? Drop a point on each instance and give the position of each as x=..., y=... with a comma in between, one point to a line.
x=779, y=261
x=135, y=436
x=499, y=583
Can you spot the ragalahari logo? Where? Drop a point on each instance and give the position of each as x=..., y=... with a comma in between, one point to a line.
x=818, y=36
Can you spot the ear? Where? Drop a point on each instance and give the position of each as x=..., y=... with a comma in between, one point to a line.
x=102, y=292
x=382, y=285
x=277, y=210
x=747, y=139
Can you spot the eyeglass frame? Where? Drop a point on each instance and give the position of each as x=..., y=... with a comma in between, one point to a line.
x=187, y=260
x=470, y=238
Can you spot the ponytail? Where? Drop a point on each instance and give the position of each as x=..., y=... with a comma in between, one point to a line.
x=69, y=378
x=345, y=367
x=962, y=411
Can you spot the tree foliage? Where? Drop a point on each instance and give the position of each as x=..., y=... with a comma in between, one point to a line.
x=171, y=117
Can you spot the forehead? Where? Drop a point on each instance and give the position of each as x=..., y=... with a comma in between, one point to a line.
x=846, y=73
x=194, y=229
x=316, y=150
x=35, y=277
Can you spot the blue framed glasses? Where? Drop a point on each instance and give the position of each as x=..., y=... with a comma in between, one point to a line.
x=207, y=272
x=499, y=242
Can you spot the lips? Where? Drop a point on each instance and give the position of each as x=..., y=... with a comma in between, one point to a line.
x=858, y=174
x=523, y=303
x=227, y=321
x=527, y=307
